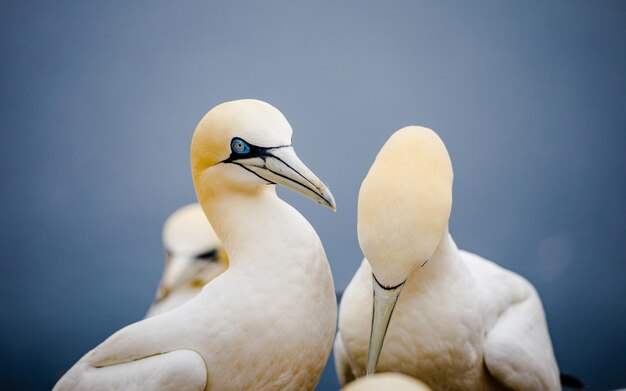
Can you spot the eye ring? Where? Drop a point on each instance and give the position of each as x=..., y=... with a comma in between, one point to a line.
x=239, y=146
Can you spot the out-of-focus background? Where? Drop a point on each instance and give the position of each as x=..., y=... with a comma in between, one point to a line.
x=98, y=102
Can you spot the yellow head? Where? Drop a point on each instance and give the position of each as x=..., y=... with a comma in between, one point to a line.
x=405, y=203
x=245, y=145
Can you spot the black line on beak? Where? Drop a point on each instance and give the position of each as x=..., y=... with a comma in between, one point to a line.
x=294, y=170
x=249, y=170
x=263, y=153
x=291, y=180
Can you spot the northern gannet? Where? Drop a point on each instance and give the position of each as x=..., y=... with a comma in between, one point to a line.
x=388, y=381
x=195, y=256
x=461, y=322
x=268, y=322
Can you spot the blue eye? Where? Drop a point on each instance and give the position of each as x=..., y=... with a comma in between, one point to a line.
x=239, y=146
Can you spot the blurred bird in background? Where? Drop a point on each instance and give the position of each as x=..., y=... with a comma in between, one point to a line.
x=194, y=256
x=461, y=322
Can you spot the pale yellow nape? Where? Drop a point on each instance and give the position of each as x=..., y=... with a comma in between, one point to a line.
x=386, y=381
x=405, y=203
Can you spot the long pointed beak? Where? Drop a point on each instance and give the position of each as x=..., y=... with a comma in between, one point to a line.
x=384, y=303
x=282, y=166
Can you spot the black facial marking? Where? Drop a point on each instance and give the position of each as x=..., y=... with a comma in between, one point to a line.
x=250, y=171
x=387, y=288
x=255, y=151
x=210, y=255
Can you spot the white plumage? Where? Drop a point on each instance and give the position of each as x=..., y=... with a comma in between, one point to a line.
x=461, y=322
x=268, y=321
x=195, y=256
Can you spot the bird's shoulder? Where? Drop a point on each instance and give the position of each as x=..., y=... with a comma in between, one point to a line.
x=495, y=280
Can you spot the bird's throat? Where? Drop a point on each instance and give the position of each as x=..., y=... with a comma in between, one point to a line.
x=257, y=227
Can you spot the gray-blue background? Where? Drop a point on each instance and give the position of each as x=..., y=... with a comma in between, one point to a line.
x=98, y=103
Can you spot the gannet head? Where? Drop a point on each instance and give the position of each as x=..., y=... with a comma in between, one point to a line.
x=404, y=204
x=246, y=145
x=194, y=253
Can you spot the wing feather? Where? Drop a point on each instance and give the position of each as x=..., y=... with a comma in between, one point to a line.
x=183, y=370
x=518, y=350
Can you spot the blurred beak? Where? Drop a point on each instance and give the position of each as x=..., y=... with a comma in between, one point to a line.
x=282, y=166
x=384, y=302
x=176, y=272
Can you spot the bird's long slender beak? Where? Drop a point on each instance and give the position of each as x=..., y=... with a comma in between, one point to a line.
x=281, y=165
x=384, y=302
